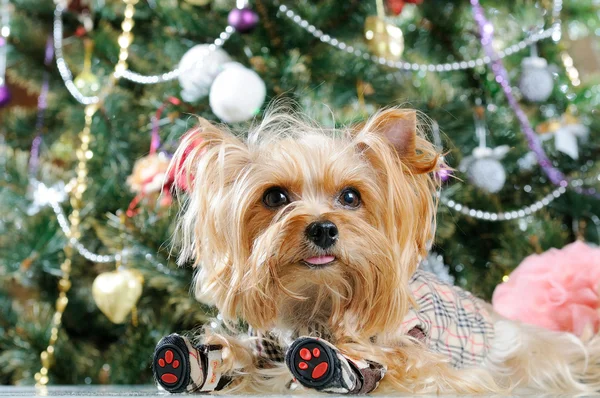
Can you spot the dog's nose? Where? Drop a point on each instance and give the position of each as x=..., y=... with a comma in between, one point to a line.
x=322, y=233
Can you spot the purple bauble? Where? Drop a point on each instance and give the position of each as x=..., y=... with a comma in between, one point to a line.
x=243, y=19
x=444, y=174
x=4, y=95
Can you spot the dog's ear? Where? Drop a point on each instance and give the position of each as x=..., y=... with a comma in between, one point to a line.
x=399, y=127
x=405, y=160
x=205, y=164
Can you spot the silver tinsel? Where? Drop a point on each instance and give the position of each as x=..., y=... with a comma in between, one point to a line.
x=434, y=263
x=536, y=82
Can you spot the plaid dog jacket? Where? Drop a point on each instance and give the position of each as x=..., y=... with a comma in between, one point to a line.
x=453, y=322
x=448, y=320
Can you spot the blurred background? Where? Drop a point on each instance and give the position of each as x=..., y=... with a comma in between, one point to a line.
x=95, y=95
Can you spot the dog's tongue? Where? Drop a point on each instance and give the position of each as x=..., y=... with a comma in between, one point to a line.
x=320, y=260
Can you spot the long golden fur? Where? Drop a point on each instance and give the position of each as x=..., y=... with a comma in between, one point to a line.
x=249, y=257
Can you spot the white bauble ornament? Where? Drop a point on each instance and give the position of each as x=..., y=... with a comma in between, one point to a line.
x=536, y=82
x=484, y=169
x=198, y=68
x=237, y=93
x=488, y=174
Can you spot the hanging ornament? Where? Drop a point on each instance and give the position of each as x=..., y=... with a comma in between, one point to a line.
x=149, y=173
x=41, y=195
x=483, y=167
x=237, y=93
x=199, y=66
x=149, y=179
x=242, y=18
x=86, y=82
x=434, y=263
x=536, y=82
x=383, y=39
x=116, y=293
x=4, y=33
x=565, y=132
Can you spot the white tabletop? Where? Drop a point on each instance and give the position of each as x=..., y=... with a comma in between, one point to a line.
x=103, y=391
x=140, y=391
x=82, y=391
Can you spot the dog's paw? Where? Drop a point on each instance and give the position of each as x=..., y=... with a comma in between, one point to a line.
x=171, y=363
x=311, y=361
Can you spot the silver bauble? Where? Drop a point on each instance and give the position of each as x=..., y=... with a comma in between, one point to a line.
x=536, y=82
x=487, y=174
x=199, y=67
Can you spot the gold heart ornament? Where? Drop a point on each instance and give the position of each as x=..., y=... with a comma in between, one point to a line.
x=116, y=293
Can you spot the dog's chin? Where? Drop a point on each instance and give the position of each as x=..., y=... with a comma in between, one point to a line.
x=319, y=262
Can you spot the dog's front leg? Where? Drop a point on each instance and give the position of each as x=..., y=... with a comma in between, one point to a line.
x=318, y=364
x=219, y=361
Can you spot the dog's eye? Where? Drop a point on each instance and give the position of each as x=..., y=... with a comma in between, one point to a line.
x=275, y=197
x=349, y=197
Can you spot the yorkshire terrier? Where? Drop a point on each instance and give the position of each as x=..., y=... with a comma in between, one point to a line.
x=311, y=238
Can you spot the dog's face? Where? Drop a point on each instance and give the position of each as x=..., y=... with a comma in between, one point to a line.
x=295, y=225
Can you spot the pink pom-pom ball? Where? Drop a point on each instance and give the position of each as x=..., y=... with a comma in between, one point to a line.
x=557, y=290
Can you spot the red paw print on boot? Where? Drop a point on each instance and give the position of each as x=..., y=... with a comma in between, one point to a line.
x=311, y=362
x=168, y=368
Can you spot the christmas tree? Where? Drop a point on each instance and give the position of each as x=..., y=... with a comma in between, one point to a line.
x=76, y=206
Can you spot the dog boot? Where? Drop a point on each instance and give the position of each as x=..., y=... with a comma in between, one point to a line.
x=317, y=364
x=178, y=366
